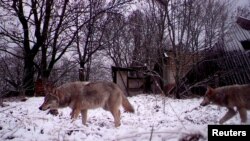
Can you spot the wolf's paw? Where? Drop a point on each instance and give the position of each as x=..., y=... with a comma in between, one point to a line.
x=117, y=124
x=85, y=125
x=53, y=112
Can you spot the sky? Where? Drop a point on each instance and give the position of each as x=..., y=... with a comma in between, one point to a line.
x=237, y=3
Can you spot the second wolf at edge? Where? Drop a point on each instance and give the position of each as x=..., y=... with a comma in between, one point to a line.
x=230, y=96
x=81, y=96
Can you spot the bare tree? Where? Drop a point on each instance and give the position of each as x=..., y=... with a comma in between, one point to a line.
x=138, y=39
x=60, y=37
x=25, y=28
x=100, y=70
x=119, y=45
x=135, y=40
x=11, y=73
x=33, y=25
x=244, y=11
x=90, y=38
x=64, y=71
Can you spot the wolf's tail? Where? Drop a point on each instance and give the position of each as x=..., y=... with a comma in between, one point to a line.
x=126, y=104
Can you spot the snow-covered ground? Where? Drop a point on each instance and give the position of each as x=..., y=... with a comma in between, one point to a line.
x=155, y=118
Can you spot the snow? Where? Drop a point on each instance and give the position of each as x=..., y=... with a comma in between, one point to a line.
x=156, y=118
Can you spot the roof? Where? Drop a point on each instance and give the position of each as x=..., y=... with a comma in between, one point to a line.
x=128, y=68
x=239, y=32
x=243, y=22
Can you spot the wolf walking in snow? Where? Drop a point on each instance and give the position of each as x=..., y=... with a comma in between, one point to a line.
x=230, y=96
x=81, y=96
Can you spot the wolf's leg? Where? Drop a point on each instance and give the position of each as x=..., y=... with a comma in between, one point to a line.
x=243, y=114
x=117, y=116
x=74, y=114
x=106, y=107
x=231, y=112
x=84, y=117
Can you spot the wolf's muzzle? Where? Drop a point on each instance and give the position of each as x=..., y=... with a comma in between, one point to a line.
x=41, y=108
x=204, y=103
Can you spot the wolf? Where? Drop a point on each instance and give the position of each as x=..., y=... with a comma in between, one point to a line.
x=82, y=96
x=230, y=96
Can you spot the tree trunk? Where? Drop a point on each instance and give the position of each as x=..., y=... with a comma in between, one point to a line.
x=177, y=92
x=28, y=79
x=82, y=72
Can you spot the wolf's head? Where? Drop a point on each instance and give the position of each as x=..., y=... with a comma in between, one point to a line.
x=50, y=101
x=208, y=96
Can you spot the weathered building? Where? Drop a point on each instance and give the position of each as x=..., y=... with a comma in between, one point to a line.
x=227, y=63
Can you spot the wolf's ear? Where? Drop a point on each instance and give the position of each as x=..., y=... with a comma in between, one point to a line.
x=49, y=87
x=209, y=88
x=210, y=91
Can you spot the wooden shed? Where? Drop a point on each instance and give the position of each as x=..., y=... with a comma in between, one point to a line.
x=131, y=80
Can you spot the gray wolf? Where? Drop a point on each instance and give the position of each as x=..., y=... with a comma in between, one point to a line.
x=82, y=96
x=230, y=96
